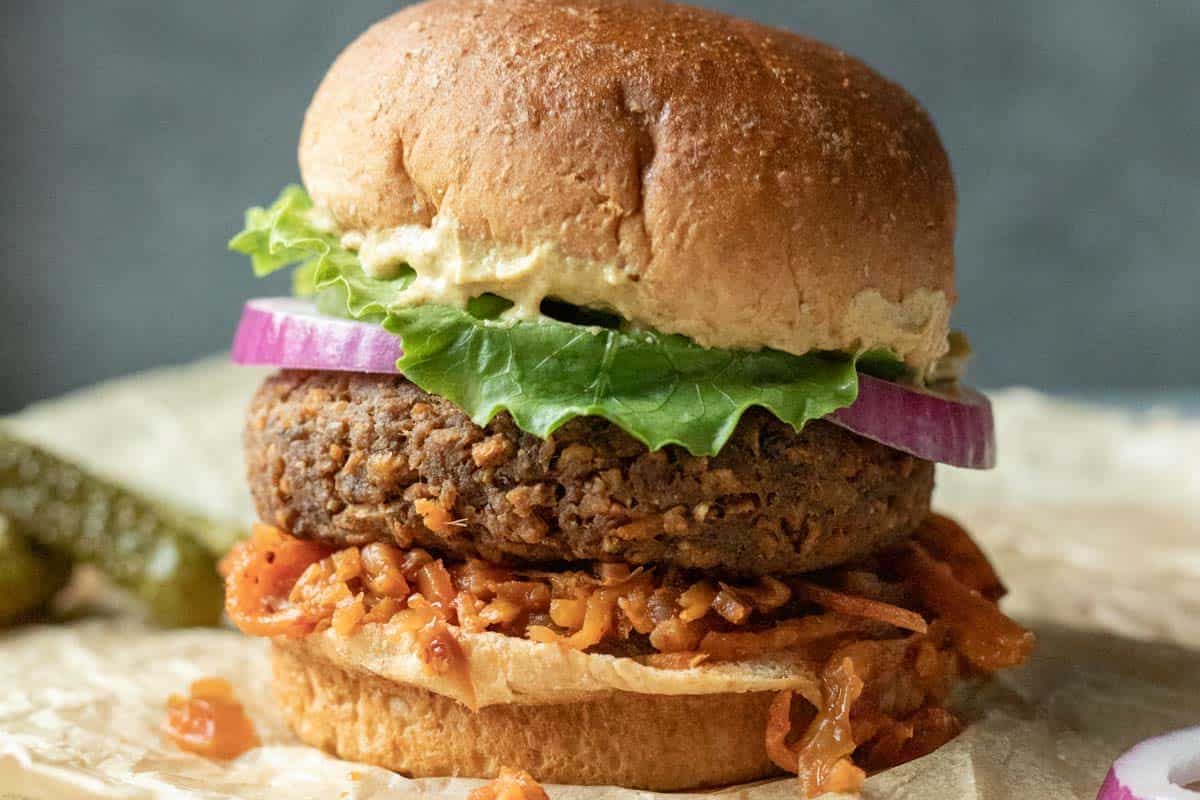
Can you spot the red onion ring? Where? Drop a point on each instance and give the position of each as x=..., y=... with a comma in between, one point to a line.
x=954, y=430
x=1156, y=769
x=289, y=333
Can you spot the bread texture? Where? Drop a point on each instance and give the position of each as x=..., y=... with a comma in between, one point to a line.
x=697, y=174
x=507, y=670
x=656, y=742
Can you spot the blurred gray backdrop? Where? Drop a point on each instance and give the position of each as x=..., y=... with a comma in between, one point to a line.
x=136, y=132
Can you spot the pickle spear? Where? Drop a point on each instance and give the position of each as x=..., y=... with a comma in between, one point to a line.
x=144, y=548
x=29, y=576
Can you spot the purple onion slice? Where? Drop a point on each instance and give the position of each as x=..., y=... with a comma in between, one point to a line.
x=1157, y=769
x=956, y=430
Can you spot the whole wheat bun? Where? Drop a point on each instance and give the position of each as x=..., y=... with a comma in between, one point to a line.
x=635, y=740
x=563, y=715
x=695, y=173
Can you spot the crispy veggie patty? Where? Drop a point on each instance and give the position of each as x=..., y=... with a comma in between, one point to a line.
x=350, y=459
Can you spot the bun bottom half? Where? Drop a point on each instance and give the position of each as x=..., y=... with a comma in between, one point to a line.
x=641, y=741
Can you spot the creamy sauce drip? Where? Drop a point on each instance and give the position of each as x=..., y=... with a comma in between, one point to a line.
x=450, y=269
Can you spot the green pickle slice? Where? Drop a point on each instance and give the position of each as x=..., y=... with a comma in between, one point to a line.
x=145, y=548
x=30, y=576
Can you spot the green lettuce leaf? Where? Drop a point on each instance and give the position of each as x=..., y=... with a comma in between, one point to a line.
x=287, y=233
x=661, y=389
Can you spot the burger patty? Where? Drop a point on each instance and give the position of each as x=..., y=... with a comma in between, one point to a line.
x=349, y=459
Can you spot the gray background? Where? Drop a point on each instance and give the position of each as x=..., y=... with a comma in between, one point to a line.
x=135, y=133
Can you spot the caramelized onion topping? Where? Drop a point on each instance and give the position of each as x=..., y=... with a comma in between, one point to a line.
x=853, y=606
x=827, y=744
x=780, y=724
x=282, y=586
x=949, y=542
x=894, y=632
x=512, y=784
x=984, y=635
x=881, y=706
x=902, y=740
x=260, y=574
x=210, y=722
x=441, y=654
x=883, y=698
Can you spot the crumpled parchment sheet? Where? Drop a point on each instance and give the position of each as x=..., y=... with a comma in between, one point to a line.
x=1092, y=518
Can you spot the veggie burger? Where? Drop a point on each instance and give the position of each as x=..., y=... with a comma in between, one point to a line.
x=610, y=400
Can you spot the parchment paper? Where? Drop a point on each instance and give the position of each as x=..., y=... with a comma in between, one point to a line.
x=1092, y=519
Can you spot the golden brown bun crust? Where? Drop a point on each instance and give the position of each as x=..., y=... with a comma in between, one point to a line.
x=691, y=155
x=656, y=742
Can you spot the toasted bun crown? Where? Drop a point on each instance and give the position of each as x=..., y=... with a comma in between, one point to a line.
x=695, y=173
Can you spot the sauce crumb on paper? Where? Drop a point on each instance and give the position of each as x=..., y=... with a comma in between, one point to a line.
x=511, y=784
x=210, y=722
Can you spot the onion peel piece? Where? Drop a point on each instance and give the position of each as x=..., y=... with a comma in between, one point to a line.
x=900, y=741
x=987, y=638
x=856, y=606
x=949, y=542
x=829, y=739
x=786, y=635
x=780, y=723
